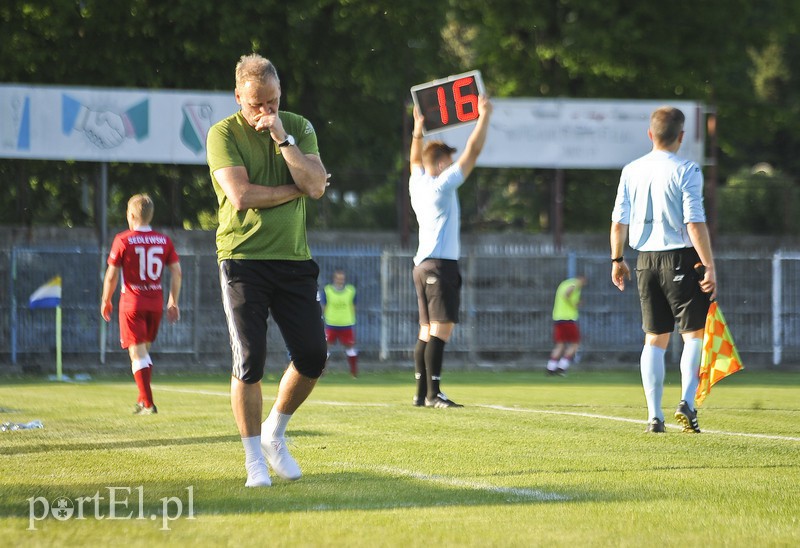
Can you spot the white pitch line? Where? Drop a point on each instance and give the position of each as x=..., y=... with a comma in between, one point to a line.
x=506, y=408
x=532, y=494
x=749, y=435
x=623, y=419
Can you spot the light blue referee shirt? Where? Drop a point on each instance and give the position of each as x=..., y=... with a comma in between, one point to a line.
x=435, y=202
x=658, y=195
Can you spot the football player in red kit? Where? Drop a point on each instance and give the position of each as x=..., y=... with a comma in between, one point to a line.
x=141, y=253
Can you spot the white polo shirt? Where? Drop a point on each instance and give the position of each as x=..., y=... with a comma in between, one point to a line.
x=435, y=202
x=658, y=195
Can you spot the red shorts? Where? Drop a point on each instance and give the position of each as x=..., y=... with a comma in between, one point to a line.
x=344, y=335
x=566, y=332
x=138, y=327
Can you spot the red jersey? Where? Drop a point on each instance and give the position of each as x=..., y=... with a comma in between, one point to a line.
x=141, y=255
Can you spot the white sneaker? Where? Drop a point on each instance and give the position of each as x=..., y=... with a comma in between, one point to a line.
x=257, y=474
x=280, y=460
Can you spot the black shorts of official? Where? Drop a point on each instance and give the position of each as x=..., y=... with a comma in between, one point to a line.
x=251, y=290
x=669, y=291
x=438, y=285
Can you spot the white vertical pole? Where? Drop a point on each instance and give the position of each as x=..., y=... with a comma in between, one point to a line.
x=777, y=298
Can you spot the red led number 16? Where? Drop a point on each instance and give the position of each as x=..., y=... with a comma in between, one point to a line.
x=459, y=101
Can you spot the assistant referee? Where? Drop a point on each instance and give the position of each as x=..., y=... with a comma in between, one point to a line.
x=659, y=207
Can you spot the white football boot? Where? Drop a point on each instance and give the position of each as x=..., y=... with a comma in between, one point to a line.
x=257, y=474
x=280, y=460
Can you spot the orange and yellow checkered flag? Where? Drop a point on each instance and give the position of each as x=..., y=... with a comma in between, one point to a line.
x=720, y=357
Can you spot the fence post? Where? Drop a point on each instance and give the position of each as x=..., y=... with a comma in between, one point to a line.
x=777, y=298
x=102, y=326
x=12, y=310
x=196, y=309
x=103, y=237
x=572, y=264
x=383, y=355
x=471, y=312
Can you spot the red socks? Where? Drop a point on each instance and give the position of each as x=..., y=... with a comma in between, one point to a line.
x=142, y=378
x=353, y=361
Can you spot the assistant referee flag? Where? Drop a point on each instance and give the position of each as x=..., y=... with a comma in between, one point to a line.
x=720, y=357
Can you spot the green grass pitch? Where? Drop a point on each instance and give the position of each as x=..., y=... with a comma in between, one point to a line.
x=529, y=461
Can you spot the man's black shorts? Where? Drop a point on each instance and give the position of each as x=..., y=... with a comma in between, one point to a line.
x=438, y=285
x=251, y=290
x=669, y=291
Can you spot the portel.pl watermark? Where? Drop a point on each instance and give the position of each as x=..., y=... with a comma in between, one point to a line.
x=115, y=503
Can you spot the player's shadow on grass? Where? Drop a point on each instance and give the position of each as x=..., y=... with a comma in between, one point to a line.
x=46, y=445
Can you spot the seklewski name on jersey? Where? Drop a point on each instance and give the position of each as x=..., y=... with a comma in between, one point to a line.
x=147, y=239
x=145, y=287
x=120, y=503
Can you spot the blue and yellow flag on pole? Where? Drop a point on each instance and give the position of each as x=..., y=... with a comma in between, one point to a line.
x=47, y=296
x=720, y=357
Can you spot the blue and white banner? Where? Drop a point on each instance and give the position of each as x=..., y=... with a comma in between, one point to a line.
x=109, y=125
x=47, y=296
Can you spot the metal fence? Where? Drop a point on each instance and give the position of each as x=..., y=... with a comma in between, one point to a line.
x=507, y=301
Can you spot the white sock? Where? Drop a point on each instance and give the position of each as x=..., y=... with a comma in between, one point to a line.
x=138, y=365
x=274, y=427
x=563, y=363
x=652, y=367
x=252, y=449
x=552, y=365
x=690, y=370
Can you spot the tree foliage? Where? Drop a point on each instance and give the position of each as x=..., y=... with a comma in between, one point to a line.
x=347, y=65
x=720, y=53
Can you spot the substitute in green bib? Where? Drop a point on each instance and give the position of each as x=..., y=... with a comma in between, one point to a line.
x=338, y=300
x=566, y=334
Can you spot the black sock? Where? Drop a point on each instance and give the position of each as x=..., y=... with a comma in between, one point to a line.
x=434, y=355
x=419, y=369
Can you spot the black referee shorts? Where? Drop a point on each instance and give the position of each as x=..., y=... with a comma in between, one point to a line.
x=251, y=290
x=669, y=291
x=438, y=285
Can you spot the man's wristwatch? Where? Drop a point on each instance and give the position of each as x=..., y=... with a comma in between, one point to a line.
x=288, y=142
x=618, y=259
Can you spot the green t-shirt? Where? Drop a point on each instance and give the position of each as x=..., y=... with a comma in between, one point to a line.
x=277, y=233
x=565, y=306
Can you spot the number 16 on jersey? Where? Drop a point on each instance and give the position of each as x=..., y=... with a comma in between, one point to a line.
x=448, y=102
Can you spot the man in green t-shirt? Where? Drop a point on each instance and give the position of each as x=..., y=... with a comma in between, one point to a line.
x=566, y=334
x=264, y=163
